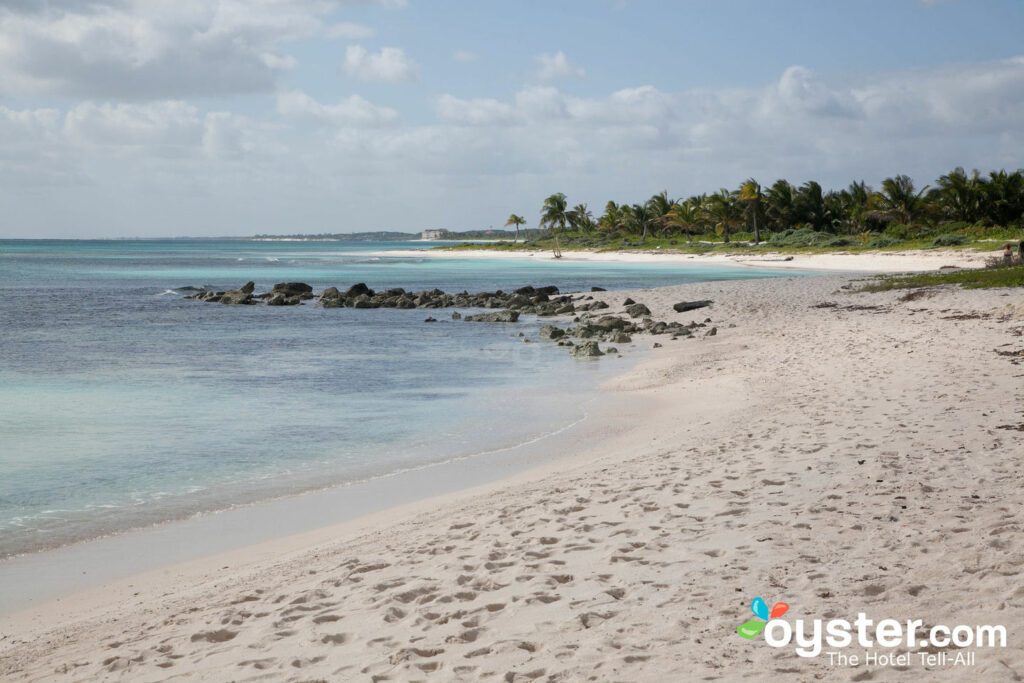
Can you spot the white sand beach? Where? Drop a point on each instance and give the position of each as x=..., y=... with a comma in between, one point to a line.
x=840, y=452
x=868, y=262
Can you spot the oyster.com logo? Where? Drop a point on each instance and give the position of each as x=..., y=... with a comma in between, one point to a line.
x=751, y=629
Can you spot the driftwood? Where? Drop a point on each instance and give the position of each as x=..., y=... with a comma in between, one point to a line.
x=684, y=306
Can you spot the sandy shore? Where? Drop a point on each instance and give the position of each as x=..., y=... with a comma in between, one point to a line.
x=841, y=458
x=864, y=262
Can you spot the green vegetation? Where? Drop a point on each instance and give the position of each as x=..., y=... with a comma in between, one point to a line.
x=1002, y=276
x=960, y=210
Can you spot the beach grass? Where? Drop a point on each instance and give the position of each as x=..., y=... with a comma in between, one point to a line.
x=975, y=278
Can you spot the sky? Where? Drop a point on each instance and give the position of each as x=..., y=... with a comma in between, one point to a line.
x=149, y=118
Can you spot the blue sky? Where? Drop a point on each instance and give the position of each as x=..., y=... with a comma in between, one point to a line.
x=222, y=117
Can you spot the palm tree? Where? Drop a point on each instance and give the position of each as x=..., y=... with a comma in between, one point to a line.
x=750, y=193
x=1004, y=195
x=637, y=219
x=660, y=207
x=611, y=219
x=580, y=218
x=686, y=216
x=722, y=207
x=553, y=212
x=898, y=201
x=961, y=195
x=516, y=221
x=780, y=204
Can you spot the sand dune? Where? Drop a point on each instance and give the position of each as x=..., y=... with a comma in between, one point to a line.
x=839, y=453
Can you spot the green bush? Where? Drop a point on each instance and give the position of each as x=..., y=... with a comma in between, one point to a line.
x=882, y=243
x=804, y=237
x=949, y=240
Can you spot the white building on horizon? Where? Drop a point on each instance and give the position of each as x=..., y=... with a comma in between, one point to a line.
x=433, y=234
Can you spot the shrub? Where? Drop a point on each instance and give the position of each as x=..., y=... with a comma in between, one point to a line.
x=804, y=237
x=882, y=243
x=949, y=240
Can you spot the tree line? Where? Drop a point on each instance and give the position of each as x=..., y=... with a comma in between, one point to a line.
x=957, y=197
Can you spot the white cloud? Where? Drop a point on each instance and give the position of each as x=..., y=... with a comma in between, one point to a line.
x=349, y=31
x=390, y=65
x=484, y=112
x=150, y=49
x=353, y=112
x=557, y=66
x=464, y=56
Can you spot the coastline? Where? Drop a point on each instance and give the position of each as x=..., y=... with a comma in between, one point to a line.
x=868, y=262
x=685, y=444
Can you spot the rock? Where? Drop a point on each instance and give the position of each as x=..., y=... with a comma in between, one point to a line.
x=611, y=349
x=619, y=338
x=456, y=316
x=242, y=295
x=656, y=345
x=588, y=349
x=279, y=299
x=499, y=317
x=712, y=332
x=330, y=293
x=598, y=289
x=609, y=322
x=637, y=310
x=684, y=306
x=566, y=310
x=430, y=320
x=292, y=288
x=628, y=302
x=549, y=290
x=358, y=290
x=551, y=332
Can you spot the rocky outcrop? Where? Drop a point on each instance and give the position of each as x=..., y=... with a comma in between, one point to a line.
x=242, y=295
x=637, y=310
x=551, y=332
x=588, y=349
x=590, y=327
x=499, y=317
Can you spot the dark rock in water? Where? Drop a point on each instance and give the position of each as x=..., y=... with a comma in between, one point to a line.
x=499, y=317
x=242, y=295
x=566, y=310
x=684, y=306
x=588, y=349
x=526, y=291
x=628, y=302
x=549, y=290
x=611, y=349
x=358, y=290
x=456, y=316
x=637, y=310
x=430, y=320
x=551, y=332
x=330, y=293
x=618, y=338
x=292, y=288
x=598, y=289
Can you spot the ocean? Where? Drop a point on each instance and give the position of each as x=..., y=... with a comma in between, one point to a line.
x=123, y=405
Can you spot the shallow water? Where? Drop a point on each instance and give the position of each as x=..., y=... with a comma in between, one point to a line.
x=124, y=405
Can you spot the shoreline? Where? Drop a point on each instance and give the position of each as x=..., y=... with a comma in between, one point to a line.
x=719, y=417
x=866, y=262
x=253, y=523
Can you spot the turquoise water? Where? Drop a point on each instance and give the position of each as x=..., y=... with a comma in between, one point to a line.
x=124, y=405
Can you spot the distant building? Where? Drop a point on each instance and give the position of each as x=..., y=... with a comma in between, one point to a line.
x=434, y=234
